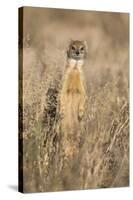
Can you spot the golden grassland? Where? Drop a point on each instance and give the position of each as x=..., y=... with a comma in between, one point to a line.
x=103, y=157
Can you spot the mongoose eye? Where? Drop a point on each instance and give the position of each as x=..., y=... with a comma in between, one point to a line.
x=73, y=48
x=82, y=48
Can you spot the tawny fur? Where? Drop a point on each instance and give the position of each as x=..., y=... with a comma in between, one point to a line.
x=72, y=104
x=73, y=95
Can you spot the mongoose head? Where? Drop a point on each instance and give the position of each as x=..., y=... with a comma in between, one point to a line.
x=77, y=50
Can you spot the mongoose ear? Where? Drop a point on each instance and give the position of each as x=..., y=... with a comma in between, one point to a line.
x=68, y=46
x=86, y=46
x=67, y=53
x=70, y=41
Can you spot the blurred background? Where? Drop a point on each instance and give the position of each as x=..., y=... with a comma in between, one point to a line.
x=46, y=35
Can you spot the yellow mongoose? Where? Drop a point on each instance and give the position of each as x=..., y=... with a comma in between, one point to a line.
x=73, y=94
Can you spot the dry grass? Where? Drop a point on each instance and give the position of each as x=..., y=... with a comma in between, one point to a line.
x=103, y=157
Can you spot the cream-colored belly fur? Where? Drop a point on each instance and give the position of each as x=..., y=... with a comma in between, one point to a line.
x=72, y=103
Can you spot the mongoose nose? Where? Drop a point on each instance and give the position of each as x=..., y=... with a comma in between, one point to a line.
x=77, y=52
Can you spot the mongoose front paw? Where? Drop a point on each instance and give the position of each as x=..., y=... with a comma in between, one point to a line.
x=80, y=115
x=61, y=116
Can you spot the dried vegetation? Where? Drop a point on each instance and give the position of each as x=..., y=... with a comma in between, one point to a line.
x=103, y=158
